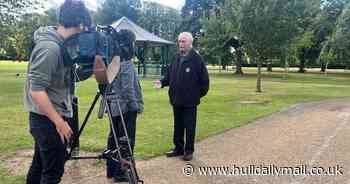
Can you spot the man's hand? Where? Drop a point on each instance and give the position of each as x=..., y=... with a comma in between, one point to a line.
x=157, y=84
x=64, y=131
x=41, y=99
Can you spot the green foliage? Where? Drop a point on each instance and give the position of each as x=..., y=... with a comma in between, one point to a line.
x=160, y=20
x=11, y=10
x=193, y=11
x=342, y=35
x=113, y=10
x=303, y=41
x=10, y=13
x=19, y=39
x=212, y=45
x=51, y=16
x=321, y=48
x=218, y=29
x=268, y=27
x=299, y=30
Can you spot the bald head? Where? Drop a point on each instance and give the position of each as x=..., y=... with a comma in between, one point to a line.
x=185, y=41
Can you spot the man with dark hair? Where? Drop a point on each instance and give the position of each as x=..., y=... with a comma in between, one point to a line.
x=188, y=81
x=47, y=94
x=126, y=91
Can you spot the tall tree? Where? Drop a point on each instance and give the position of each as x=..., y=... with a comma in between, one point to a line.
x=340, y=40
x=10, y=13
x=10, y=10
x=160, y=20
x=328, y=34
x=22, y=32
x=268, y=27
x=112, y=10
x=192, y=12
x=219, y=33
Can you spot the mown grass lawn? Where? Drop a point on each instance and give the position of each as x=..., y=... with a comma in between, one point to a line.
x=227, y=105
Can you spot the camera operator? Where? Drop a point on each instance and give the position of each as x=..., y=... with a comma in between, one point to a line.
x=127, y=90
x=47, y=95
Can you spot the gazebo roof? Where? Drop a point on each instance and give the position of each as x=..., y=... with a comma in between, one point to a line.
x=142, y=36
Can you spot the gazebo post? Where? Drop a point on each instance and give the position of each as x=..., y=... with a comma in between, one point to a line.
x=164, y=58
x=144, y=63
x=141, y=57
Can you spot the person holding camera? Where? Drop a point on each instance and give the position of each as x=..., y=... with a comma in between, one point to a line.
x=188, y=81
x=126, y=102
x=47, y=95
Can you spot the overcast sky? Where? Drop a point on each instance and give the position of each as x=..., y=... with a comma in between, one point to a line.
x=177, y=4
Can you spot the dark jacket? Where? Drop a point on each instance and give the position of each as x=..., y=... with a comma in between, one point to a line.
x=188, y=81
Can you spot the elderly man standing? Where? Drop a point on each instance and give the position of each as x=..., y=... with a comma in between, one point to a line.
x=188, y=81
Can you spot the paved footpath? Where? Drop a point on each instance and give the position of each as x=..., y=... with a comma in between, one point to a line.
x=314, y=134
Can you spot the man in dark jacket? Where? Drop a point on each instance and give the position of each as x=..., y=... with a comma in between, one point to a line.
x=47, y=94
x=188, y=81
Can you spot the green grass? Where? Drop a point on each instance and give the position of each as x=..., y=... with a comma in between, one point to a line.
x=220, y=110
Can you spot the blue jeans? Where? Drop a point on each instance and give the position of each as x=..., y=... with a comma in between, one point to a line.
x=49, y=153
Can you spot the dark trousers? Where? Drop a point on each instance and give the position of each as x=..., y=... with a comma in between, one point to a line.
x=49, y=153
x=184, y=121
x=113, y=167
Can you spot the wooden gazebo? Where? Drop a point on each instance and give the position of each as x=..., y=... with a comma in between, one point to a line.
x=144, y=40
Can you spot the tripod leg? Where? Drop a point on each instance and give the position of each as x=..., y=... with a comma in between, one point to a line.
x=115, y=134
x=131, y=169
x=124, y=126
x=113, y=128
x=102, y=109
x=74, y=124
x=132, y=166
x=132, y=175
x=76, y=137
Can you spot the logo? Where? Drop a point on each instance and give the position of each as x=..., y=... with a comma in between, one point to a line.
x=188, y=170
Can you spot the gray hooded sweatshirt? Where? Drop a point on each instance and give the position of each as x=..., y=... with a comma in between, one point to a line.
x=47, y=72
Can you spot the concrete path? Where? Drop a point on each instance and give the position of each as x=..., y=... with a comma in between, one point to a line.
x=313, y=134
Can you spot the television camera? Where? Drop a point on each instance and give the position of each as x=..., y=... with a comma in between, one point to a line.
x=98, y=52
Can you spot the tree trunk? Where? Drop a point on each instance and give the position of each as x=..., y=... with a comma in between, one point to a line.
x=302, y=61
x=323, y=67
x=286, y=67
x=302, y=65
x=347, y=66
x=239, y=62
x=269, y=67
x=325, y=71
x=239, y=70
x=223, y=67
x=258, y=82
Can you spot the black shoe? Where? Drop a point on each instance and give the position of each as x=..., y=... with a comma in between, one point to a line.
x=120, y=178
x=188, y=157
x=174, y=153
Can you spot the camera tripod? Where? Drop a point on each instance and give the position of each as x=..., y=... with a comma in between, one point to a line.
x=123, y=152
